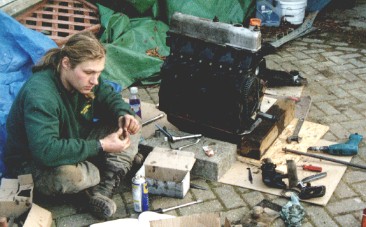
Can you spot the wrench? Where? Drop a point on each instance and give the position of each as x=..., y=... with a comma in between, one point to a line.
x=173, y=139
x=301, y=111
x=295, y=135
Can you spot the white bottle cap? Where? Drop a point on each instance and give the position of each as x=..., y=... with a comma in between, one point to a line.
x=134, y=90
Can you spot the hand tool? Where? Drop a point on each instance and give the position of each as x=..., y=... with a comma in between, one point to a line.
x=312, y=168
x=307, y=191
x=342, y=149
x=153, y=119
x=196, y=186
x=187, y=145
x=252, y=127
x=172, y=138
x=324, y=158
x=301, y=111
x=250, y=177
x=163, y=210
x=295, y=135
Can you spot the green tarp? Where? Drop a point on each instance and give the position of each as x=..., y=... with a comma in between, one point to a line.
x=127, y=42
x=131, y=28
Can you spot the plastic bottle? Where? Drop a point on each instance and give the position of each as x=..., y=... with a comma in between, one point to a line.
x=135, y=102
x=269, y=12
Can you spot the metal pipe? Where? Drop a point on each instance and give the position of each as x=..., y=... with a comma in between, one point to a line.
x=324, y=158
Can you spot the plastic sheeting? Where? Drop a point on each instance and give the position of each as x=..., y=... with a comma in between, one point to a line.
x=128, y=42
x=20, y=48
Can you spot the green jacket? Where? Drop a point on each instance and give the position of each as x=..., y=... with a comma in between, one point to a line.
x=50, y=125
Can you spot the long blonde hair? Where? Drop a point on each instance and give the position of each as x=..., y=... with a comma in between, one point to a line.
x=80, y=47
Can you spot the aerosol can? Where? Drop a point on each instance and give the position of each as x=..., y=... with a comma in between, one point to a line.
x=140, y=194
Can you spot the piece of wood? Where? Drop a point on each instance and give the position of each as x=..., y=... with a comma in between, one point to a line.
x=335, y=171
x=38, y=216
x=286, y=91
x=60, y=19
x=310, y=133
x=14, y=7
x=255, y=144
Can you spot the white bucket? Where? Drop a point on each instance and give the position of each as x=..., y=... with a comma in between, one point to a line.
x=293, y=11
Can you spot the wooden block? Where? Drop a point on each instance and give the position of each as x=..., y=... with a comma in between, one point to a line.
x=255, y=144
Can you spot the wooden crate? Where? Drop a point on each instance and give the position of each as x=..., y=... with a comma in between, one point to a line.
x=59, y=19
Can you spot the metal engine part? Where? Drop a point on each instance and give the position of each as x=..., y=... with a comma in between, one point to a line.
x=210, y=81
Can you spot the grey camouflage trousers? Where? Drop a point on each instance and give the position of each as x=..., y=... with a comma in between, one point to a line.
x=70, y=179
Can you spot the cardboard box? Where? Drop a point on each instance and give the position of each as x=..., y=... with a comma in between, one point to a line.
x=16, y=198
x=167, y=172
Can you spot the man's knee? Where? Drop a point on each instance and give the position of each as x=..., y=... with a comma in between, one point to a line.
x=67, y=179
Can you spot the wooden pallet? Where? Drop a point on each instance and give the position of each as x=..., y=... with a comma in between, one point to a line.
x=59, y=19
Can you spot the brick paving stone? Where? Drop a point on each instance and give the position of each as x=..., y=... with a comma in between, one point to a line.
x=354, y=124
x=77, y=220
x=320, y=217
x=357, y=63
x=202, y=194
x=253, y=198
x=350, y=56
x=359, y=71
x=229, y=197
x=121, y=208
x=360, y=189
x=343, y=67
x=62, y=210
x=327, y=108
x=344, y=191
x=330, y=136
x=352, y=114
x=205, y=207
x=235, y=215
x=332, y=53
x=308, y=40
x=347, y=220
x=339, y=92
x=345, y=206
x=337, y=60
x=338, y=44
x=323, y=46
x=314, y=51
x=157, y=202
x=338, y=130
x=349, y=49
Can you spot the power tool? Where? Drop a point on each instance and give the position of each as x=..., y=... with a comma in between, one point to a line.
x=348, y=148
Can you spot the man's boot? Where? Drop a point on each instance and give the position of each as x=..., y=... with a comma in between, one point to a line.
x=100, y=196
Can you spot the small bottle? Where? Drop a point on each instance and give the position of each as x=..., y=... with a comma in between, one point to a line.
x=135, y=102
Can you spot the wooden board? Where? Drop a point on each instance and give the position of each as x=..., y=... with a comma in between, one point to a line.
x=60, y=19
x=238, y=176
x=255, y=144
x=286, y=91
x=14, y=7
x=310, y=133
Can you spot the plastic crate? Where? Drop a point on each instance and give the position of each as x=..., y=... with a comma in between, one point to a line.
x=59, y=19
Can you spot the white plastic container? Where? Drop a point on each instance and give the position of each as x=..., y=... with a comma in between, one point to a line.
x=293, y=11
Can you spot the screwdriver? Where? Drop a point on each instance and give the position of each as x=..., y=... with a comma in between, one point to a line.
x=312, y=168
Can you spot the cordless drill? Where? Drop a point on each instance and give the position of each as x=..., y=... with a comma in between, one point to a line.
x=342, y=149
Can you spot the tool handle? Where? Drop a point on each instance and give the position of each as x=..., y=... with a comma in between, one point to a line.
x=160, y=210
x=309, y=192
x=312, y=168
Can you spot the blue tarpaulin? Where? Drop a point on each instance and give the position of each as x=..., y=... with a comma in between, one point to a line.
x=20, y=49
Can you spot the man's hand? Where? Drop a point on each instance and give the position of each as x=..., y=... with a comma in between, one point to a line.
x=129, y=124
x=116, y=142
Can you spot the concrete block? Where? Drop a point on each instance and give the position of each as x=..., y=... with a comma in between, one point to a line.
x=210, y=168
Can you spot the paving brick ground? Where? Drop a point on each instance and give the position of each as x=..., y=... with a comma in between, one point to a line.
x=336, y=71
